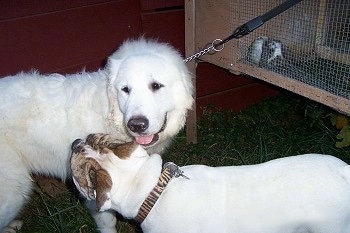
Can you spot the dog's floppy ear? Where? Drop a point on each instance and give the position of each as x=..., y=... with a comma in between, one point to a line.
x=112, y=68
x=103, y=185
x=185, y=99
x=90, y=178
x=94, y=182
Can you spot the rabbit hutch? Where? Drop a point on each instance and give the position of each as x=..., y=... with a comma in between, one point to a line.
x=305, y=49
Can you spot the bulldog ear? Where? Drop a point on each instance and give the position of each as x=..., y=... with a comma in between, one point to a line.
x=112, y=68
x=103, y=186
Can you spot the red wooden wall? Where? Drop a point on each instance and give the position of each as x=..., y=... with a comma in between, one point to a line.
x=63, y=36
x=223, y=90
x=67, y=36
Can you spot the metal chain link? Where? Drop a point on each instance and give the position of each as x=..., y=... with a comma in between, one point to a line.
x=245, y=29
x=209, y=49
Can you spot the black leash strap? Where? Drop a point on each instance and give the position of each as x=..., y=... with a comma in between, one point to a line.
x=246, y=28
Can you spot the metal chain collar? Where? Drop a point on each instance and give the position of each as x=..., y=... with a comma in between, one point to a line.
x=213, y=47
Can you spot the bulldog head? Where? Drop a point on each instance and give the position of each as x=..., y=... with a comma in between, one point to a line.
x=94, y=165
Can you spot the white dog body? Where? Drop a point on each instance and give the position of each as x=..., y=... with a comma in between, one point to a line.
x=36, y=113
x=40, y=115
x=300, y=194
x=306, y=193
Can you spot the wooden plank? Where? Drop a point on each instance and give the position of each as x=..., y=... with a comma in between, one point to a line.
x=87, y=66
x=211, y=79
x=191, y=123
x=168, y=26
x=337, y=102
x=147, y=5
x=63, y=39
x=236, y=99
x=23, y=8
x=213, y=20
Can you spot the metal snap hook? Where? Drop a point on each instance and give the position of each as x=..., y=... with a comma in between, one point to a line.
x=216, y=43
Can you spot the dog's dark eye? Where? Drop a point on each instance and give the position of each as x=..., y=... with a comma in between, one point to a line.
x=156, y=86
x=126, y=89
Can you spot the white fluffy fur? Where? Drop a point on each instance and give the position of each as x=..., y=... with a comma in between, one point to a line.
x=40, y=115
x=300, y=194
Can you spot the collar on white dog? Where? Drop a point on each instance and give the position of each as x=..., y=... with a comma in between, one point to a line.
x=170, y=170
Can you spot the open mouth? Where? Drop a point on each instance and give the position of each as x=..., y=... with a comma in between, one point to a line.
x=148, y=140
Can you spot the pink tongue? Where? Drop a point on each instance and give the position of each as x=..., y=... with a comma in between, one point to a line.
x=143, y=140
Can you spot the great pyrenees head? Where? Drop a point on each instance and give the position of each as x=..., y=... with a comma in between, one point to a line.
x=154, y=90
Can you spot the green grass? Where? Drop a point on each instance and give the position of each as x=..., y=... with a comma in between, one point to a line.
x=275, y=128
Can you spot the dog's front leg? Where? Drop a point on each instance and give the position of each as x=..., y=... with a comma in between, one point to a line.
x=106, y=221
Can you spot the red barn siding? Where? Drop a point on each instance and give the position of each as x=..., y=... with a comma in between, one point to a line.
x=166, y=26
x=66, y=36
x=62, y=39
x=147, y=5
x=24, y=8
x=219, y=88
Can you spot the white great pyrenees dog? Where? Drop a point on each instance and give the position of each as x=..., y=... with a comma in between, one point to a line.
x=143, y=93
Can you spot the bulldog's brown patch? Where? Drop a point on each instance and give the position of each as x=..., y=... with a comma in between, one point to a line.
x=124, y=151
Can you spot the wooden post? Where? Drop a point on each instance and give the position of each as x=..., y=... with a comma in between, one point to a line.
x=191, y=122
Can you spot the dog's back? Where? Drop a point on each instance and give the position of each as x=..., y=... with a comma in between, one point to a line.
x=305, y=193
x=39, y=114
x=308, y=192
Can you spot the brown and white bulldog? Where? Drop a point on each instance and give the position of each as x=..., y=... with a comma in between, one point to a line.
x=300, y=194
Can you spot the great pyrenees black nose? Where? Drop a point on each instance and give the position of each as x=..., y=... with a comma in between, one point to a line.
x=138, y=124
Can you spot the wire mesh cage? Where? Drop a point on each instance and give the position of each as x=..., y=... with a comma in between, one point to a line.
x=306, y=49
x=310, y=43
